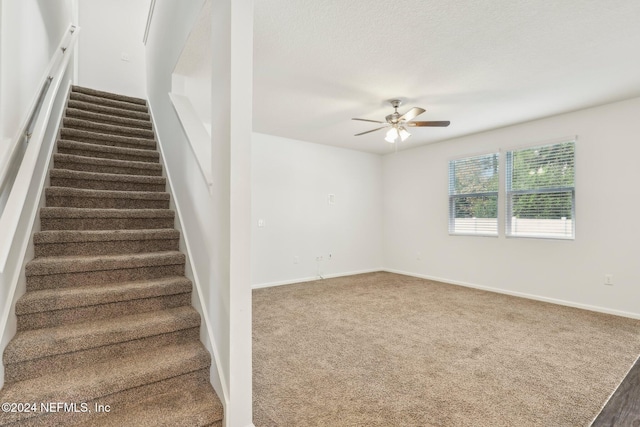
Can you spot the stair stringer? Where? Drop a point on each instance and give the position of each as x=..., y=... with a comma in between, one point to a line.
x=217, y=376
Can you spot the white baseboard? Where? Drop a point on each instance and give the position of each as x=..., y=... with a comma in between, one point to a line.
x=314, y=278
x=520, y=294
x=226, y=423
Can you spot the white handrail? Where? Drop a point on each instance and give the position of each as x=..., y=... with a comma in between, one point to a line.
x=13, y=159
x=11, y=214
x=34, y=115
x=152, y=6
x=26, y=129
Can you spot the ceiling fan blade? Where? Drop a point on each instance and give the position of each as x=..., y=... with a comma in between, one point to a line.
x=367, y=120
x=430, y=124
x=414, y=112
x=369, y=131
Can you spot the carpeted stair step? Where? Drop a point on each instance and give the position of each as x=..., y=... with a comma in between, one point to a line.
x=108, y=95
x=98, y=100
x=104, y=242
x=104, y=139
x=124, y=406
x=105, y=199
x=109, y=111
x=70, y=122
x=107, y=152
x=54, y=307
x=106, y=181
x=62, y=347
x=74, y=271
x=94, y=164
x=29, y=369
x=107, y=118
x=105, y=219
x=104, y=379
x=188, y=401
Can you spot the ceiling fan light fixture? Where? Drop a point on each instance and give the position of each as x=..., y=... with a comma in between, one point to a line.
x=404, y=134
x=392, y=135
x=397, y=123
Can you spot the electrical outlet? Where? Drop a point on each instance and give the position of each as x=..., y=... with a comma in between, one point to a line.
x=419, y=256
x=296, y=259
x=319, y=258
x=608, y=279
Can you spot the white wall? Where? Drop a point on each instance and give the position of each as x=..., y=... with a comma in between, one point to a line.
x=215, y=220
x=415, y=185
x=168, y=33
x=191, y=89
x=109, y=30
x=18, y=218
x=192, y=74
x=291, y=182
x=30, y=31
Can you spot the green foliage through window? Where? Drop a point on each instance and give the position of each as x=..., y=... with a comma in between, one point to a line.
x=539, y=190
x=540, y=184
x=473, y=195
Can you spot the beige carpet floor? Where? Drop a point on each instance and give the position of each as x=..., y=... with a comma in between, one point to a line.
x=382, y=349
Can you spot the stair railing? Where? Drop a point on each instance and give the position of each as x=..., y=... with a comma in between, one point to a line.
x=22, y=181
x=16, y=153
x=152, y=7
x=8, y=173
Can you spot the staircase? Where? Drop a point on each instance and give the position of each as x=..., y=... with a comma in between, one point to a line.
x=106, y=325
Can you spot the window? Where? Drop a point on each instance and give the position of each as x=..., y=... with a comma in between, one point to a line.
x=540, y=191
x=473, y=195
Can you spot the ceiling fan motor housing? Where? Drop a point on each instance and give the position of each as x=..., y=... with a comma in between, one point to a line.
x=393, y=118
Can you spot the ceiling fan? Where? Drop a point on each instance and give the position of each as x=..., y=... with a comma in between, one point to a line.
x=399, y=122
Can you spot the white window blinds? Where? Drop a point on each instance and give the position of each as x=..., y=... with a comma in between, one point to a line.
x=540, y=191
x=473, y=195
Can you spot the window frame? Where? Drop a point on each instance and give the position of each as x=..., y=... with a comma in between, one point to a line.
x=452, y=196
x=509, y=192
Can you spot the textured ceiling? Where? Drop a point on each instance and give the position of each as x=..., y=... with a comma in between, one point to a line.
x=194, y=60
x=480, y=64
